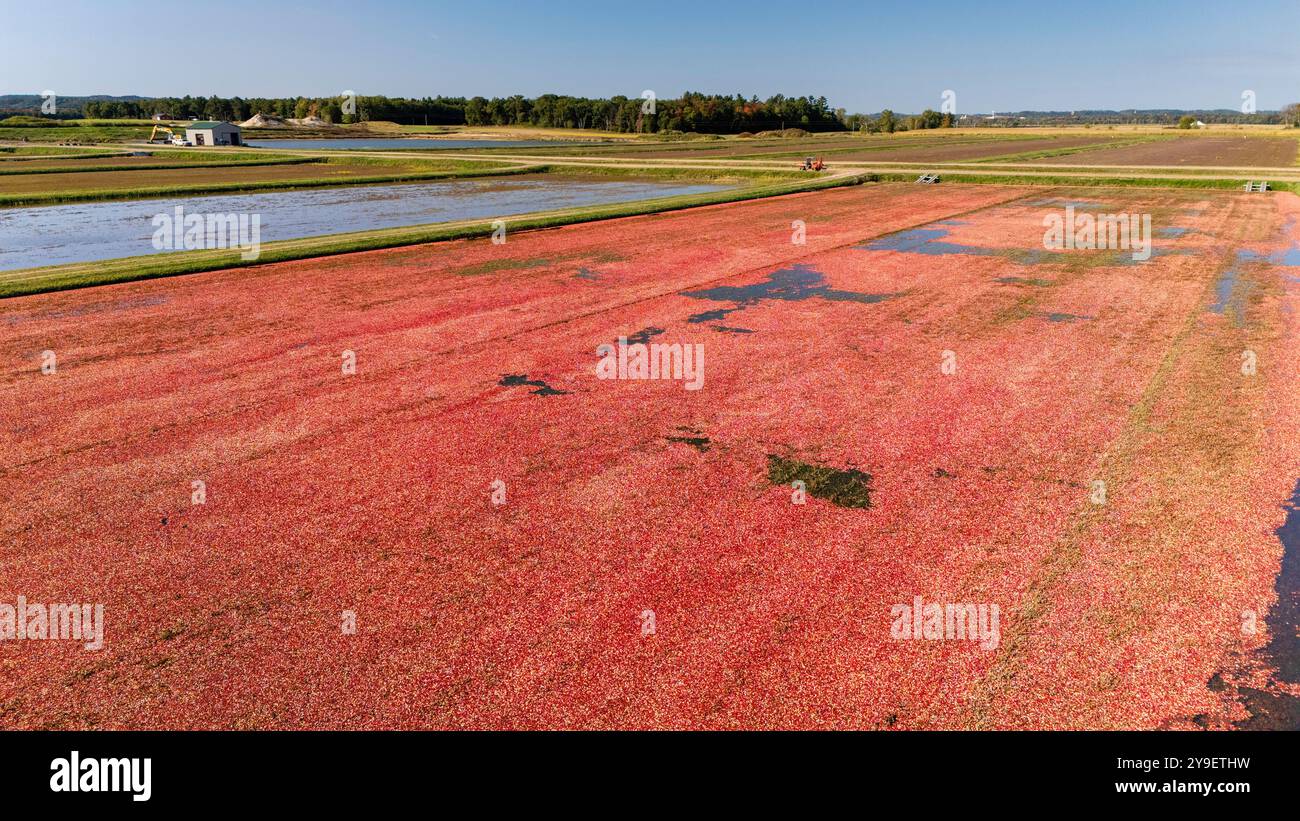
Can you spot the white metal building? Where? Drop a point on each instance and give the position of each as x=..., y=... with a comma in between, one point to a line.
x=207, y=132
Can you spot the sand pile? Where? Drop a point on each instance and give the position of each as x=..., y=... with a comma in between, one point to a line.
x=311, y=122
x=263, y=121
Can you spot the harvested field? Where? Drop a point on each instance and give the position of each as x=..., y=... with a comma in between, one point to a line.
x=973, y=150
x=883, y=147
x=1253, y=152
x=647, y=564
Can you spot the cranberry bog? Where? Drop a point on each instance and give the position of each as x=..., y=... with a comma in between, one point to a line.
x=425, y=488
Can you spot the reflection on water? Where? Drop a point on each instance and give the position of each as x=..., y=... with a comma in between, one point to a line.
x=85, y=232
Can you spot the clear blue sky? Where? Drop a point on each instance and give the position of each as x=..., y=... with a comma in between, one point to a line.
x=864, y=56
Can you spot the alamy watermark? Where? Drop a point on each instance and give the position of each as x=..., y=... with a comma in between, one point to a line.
x=652, y=361
x=946, y=622
x=179, y=231
x=128, y=775
x=1115, y=232
x=28, y=621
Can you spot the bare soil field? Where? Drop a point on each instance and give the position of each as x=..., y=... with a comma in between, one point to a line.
x=1263, y=152
x=650, y=561
x=973, y=150
x=839, y=146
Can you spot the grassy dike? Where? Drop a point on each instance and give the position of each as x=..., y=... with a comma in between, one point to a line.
x=88, y=274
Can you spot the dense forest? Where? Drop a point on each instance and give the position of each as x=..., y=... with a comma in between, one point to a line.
x=701, y=113
x=704, y=113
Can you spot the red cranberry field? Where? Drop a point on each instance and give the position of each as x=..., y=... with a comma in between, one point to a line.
x=391, y=489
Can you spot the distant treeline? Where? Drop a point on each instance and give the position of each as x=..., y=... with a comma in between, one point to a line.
x=700, y=113
x=433, y=110
x=703, y=113
x=692, y=112
x=1158, y=116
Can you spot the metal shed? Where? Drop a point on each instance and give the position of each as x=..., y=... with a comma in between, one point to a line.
x=212, y=133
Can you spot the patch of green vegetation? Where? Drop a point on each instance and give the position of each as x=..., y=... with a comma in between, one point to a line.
x=845, y=488
x=515, y=264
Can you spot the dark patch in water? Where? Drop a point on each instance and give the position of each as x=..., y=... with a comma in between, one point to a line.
x=1277, y=710
x=940, y=473
x=928, y=241
x=1231, y=282
x=642, y=337
x=1290, y=258
x=700, y=443
x=1037, y=283
x=845, y=488
x=588, y=274
x=728, y=330
x=709, y=316
x=924, y=241
x=1173, y=232
x=793, y=284
x=516, y=379
x=1058, y=317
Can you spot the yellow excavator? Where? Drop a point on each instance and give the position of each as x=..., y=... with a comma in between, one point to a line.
x=171, y=136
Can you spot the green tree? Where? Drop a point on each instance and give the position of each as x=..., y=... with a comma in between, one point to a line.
x=331, y=112
x=1186, y=121
x=887, y=122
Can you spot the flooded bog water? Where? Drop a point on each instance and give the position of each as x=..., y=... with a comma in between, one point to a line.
x=86, y=232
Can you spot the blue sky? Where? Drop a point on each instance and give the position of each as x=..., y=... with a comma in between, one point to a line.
x=863, y=56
